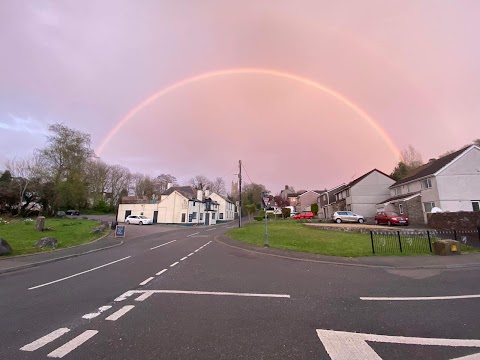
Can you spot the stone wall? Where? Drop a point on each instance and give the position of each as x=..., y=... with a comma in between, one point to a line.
x=463, y=220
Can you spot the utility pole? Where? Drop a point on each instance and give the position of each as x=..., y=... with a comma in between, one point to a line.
x=240, y=193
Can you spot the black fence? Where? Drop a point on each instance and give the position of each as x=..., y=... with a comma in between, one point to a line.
x=420, y=242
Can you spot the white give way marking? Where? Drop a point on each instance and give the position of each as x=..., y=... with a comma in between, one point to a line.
x=420, y=298
x=342, y=345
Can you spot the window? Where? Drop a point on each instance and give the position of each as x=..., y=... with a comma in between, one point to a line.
x=428, y=206
x=400, y=208
x=398, y=191
x=213, y=216
x=325, y=197
x=427, y=183
x=347, y=193
x=194, y=215
x=201, y=216
x=183, y=217
x=476, y=205
x=221, y=216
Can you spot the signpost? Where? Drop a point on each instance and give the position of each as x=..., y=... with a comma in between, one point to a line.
x=266, y=201
x=120, y=231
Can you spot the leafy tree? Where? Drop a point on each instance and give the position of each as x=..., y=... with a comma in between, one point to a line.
x=410, y=160
x=250, y=209
x=286, y=212
x=314, y=208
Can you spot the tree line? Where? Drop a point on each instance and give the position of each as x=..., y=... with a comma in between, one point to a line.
x=66, y=174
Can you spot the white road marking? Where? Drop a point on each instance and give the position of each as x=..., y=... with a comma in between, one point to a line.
x=419, y=298
x=118, y=314
x=196, y=250
x=95, y=314
x=37, y=344
x=148, y=293
x=190, y=254
x=144, y=296
x=342, y=345
x=72, y=344
x=211, y=229
x=469, y=357
x=124, y=296
x=145, y=282
x=80, y=273
x=193, y=234
x=183, y=258
x=161, y=272
x=175, y=263
x=155, y=247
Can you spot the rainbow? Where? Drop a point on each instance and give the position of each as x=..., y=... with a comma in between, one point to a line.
x=256, y=71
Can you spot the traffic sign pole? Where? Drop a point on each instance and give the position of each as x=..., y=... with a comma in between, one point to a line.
x=266, y=201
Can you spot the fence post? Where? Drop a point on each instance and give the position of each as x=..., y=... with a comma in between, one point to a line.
x=429, y=240
x=371, y=237
x=399, y=241
x=455, y=234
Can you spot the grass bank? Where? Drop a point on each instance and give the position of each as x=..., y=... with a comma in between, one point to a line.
x=22, y=237
x=291, y=235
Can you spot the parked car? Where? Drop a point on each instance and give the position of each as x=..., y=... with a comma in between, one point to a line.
x=293, y=213
x=347, y=216
x=61, y=214
x=138, y=219
x=304, y=215
x=73, y=212
x=390, y=218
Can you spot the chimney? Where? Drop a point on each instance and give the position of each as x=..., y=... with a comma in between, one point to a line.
x=200, y=195
x=169, y=185
x=207, y=193
x=286, y=187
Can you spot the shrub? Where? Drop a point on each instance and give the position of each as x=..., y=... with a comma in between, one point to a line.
x=286, y=212
x=314, y=209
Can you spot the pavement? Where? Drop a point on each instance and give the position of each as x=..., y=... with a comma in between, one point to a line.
x=186, y=293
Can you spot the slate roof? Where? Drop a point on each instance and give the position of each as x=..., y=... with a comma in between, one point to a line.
x=187, y=191
x=400, y=197
x=431, y=168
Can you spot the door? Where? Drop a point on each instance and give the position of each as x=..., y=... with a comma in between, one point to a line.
x=128, y=213
x=155, y=217
x=207, y=218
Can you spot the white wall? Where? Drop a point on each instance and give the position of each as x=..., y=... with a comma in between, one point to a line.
x=225, y=207
x=370, y=191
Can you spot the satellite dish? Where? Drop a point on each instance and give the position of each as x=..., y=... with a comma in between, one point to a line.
x=436, y=210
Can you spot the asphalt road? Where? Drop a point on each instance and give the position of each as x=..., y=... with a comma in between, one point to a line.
x=180, y=294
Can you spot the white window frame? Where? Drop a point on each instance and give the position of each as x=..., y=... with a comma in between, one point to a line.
x=398, y=191
x=427, y=183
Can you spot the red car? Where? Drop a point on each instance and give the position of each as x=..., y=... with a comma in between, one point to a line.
x=390, y=218
x=304, y=215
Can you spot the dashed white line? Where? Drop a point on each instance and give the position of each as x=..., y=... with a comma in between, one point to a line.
x=196, y=250
x=419, y=298
x=144, y=296
x=193, y=234
x=72, y=344
x=190, y=254
x=183, y=258
x=37, y=344
x=161, y=272
x=95, y=314
x=80, y=273
x=118, y=314
x=155, y=247
x=175, y=263
x=145, y=282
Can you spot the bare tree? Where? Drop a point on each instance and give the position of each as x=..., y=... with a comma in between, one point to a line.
x=199, y=182
x=120, y=179
x=218, y=186
x=411, y=157
x=23, y=170
x=162, y=181
x=98, y=174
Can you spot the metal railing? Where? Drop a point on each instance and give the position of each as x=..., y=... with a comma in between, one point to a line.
x=420, y=242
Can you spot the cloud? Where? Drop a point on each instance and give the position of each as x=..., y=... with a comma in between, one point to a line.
x=25, y=125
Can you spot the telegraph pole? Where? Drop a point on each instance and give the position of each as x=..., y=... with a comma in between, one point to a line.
x=240, y=193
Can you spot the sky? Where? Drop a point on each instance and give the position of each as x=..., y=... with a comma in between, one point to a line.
x=329, y=89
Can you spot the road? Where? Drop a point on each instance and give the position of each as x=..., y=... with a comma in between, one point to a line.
x=181, y=294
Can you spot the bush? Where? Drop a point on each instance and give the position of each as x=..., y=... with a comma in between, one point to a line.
x=314, y=209
x=286, y=212
x=103, y=207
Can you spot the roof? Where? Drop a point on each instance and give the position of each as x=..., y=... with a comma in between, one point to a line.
x=432, y=167
x=187, y=191
x=223, y=197
x=357, y=180
x=297, y=194
x=315, y=191
x=401, y=197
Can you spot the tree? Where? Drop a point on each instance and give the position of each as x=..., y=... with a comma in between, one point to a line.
x=400, y=171
x=410, y=160
x=119, y=182
x=281, y=202
x=250, y=209
x=476, y=142
x=143, y=186
x=98, y=180
x=199, y=182
x=162, y=181
x=252, y=194
x=218, y=186
x=314, y=208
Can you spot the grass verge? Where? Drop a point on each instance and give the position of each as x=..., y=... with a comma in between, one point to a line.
x=291, y=235
x=22, y=237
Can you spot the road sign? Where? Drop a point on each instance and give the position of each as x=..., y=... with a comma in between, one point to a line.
x=266, y=201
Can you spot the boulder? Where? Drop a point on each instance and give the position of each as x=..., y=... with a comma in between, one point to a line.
x=46, y=242
x=106, y=223
x=446, y=247
x=5, y=248
x=40, y=224
x=96, y=231
x=84, y=218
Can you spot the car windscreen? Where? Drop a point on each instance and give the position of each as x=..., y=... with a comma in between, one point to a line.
x=391, y=213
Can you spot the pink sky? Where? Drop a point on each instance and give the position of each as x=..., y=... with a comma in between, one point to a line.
x=412, y=66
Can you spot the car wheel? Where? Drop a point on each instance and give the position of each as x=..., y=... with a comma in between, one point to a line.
x=361, y=221
x=140, y=223
x=338, y=221
x=389, y=223
x=127, y=222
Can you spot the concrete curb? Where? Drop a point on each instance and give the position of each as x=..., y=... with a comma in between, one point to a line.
x=269, y=252
x=38, y=263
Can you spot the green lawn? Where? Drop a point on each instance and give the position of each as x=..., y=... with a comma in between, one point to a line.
x=22, y=236
x=291, y=235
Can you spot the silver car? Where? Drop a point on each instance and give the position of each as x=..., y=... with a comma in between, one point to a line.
x=347, y=216
x=138, y=219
